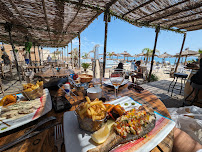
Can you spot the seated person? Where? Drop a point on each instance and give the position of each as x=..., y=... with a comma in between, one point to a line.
x=196, y=78
x=119, y=67
x=138, y=71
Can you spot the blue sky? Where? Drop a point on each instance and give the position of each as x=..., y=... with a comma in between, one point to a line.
x=123, y=36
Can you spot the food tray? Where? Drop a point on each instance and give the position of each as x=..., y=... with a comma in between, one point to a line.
x=78, y=140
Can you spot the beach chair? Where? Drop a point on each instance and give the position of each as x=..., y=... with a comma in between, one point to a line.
x=144, y=78
x=6, y=69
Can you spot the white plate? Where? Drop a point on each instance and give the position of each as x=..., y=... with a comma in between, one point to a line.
x=108, y=82
x=14, y=123
x=78, y=140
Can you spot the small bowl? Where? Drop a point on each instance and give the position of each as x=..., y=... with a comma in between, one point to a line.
x=94, y=93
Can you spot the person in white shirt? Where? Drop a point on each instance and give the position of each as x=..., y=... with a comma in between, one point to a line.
x=49, y=58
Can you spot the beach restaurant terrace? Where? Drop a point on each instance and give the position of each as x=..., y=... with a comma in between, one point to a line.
x=55, y=23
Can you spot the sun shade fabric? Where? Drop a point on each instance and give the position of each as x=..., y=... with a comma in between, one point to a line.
x=55, y=23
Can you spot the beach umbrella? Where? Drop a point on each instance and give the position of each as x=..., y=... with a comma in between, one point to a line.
x=128, y=55
x=187, y=52
x=124, y=54
x=165, y=55
x=117, y=55
x=113, y=54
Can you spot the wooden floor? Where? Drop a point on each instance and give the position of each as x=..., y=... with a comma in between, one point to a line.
x=160, y=89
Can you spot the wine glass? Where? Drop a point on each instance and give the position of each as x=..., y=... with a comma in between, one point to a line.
x=116, y=76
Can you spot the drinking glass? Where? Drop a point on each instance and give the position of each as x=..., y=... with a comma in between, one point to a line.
x=116, y=76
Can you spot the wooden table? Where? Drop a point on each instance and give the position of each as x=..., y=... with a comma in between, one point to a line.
x=44, y=142
x=52, y=72
x=34, y=68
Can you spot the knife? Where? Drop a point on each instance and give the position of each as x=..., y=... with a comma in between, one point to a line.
x=26, y=136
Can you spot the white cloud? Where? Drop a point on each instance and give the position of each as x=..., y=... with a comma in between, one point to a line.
x=75, y=42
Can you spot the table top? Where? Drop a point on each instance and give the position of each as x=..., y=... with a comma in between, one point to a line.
x=52, y=72
x=45, y=140
x=35, y=67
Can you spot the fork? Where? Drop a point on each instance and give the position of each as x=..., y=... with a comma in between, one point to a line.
x=58, y=136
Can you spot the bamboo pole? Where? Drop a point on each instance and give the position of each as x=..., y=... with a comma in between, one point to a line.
x=8, y=28
x=42, y=53
x=79, y=50
x=39, y=55
x=35, y=54
x=62, y=53
x=105, y=42
x=180, y=53
x=67, y=52
x=154, y=50
x=71, y=56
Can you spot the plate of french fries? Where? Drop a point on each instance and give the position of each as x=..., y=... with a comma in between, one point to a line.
x=91, y=114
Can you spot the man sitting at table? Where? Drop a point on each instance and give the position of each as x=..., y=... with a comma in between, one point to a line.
x=138, y=71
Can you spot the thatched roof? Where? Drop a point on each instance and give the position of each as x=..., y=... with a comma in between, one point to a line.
x=165, y=55
x=188, y=52
x=56, y=22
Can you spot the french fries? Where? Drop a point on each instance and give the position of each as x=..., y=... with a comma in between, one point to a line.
x=30, y=87
x=94, y=110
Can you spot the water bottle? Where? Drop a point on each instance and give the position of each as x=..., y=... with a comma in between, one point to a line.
x=67, y=88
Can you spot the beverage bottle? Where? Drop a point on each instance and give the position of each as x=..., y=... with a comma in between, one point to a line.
x=67, y=88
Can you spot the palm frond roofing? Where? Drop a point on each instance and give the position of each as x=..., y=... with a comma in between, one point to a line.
x=55, y=23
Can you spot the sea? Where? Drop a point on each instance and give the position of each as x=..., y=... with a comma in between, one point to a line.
x=110, y=61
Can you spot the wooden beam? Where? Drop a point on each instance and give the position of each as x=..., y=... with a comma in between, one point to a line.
x=46, y=18
x=185, y=22
x=8, y=28
x=191, y=26
x=21, y=16
x=142, y=5
x=193, y=29
x=180, y=53
x=79, y=50
x=180, y=17
x=176, y=12
x=162, y=10
x=79, y=7
x=153, y=53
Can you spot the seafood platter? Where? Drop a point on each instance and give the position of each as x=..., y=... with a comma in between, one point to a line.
x=119, y=125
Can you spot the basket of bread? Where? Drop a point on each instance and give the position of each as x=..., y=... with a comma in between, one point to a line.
x=33, y=91
x=85, y=78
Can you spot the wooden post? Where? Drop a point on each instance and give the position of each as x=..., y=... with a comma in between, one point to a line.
x=107, y=19
x=79, y=50
x=62, y=54
x=154, y=50
x=180, y=53
x=42, y=53
x=39, y=55
x=35, y=54
x=8, y=28
x=71, y=56
x=67, y=52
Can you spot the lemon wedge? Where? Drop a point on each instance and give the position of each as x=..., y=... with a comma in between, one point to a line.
x=103, y=133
